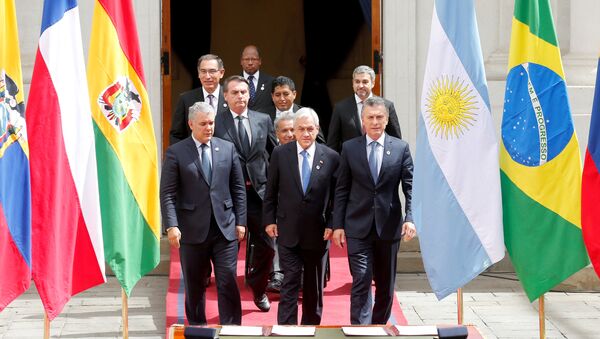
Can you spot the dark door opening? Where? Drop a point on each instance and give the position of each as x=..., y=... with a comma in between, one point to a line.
x=310, y=41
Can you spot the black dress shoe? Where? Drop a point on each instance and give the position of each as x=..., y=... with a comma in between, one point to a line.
x=275, y=282
x=263, y=303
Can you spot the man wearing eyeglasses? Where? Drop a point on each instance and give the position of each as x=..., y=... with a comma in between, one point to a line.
x=210, y=73
x=260, y=82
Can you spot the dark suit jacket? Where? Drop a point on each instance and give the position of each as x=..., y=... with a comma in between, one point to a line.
x=345, y=123
x=263, y=101
x=186, y=198
x=358, y=201
x=301, y=218
x=263, y=141
x=179, y=120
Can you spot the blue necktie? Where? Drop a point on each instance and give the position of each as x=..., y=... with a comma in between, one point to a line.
x=373, y=161
x=252, y=88
x=206, y=163
x=305, y=170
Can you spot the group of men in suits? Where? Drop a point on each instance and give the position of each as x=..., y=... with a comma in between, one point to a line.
x=227, y=175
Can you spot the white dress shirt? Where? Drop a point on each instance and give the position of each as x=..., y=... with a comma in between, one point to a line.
x=246, y=123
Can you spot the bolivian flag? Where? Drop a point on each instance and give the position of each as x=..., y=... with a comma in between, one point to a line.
x=540, y=161
x=125, y=144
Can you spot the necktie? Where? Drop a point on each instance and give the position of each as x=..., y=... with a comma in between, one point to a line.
x=210, y=100
x=243, y=135
x=305, y=170
x=252, y=88
x=373, y=161
x=360, y=107
x=206, y=168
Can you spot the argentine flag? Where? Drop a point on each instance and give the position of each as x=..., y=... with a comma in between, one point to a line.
x=457, y=204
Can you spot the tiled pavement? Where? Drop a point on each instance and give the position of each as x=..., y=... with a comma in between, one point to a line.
x=495, y=304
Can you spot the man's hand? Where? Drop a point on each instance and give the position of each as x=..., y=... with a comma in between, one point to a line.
x=408, y=231
x=339, y=237
x=174, y=235
x=240, y=231
x=327, y=234
x=271, y=230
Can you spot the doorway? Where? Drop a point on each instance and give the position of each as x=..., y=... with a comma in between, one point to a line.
x=306, y=40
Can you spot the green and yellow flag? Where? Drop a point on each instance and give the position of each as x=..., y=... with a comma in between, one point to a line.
x=540, y=160
x=125, y=144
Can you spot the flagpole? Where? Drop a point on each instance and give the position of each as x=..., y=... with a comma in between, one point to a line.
x=46, y=326
x=124, y=314
x=459, y=305
x=542, y=318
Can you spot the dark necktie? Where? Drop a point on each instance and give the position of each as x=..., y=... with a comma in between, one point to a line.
x=305, y=170
x=373, y=161
x=252, y=88
x=243, y=135
x=206, y=168
x=210, y=100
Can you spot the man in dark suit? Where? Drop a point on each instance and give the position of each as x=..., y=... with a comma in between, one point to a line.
x=259, y=81
x=345, y=121
x=210, y=72
x=254, y=138
x=368, y=212
x=283, y=94
x=297, y=210
x=203, y=203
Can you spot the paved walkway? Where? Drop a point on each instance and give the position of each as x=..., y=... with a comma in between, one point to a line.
x=503, y=313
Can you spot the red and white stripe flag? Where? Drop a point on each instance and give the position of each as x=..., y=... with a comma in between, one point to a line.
x=67, y=248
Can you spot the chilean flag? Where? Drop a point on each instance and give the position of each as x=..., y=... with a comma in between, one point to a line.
x=67, y=248
x=590, y=190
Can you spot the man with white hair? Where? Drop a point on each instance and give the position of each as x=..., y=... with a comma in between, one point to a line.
x=297, y=209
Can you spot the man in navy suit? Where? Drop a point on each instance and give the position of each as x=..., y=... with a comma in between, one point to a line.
x=203, y=203
x=297, y=210
x=368, y=212
x=253, y=135
x=259, y=81
x=210, y=73
x=345, y=121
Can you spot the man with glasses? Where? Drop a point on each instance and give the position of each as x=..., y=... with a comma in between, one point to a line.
x=259, y=81
x=210, y=73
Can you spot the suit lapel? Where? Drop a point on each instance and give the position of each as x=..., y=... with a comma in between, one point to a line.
x=215, y=154
x=254, y=129
x=293, y=166
x=318, y=163
x=363, y=156
x=355, y=118
x=231, y=130
x=386, y=159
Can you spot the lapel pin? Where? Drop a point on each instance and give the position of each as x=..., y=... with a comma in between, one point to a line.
x=388, y=152
x=318, y=167
x=216, y=149
x=262, y=87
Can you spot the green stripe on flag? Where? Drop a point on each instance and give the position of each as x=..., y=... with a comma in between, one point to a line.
x=130, y=247
x=538, y=16
x=546, y=252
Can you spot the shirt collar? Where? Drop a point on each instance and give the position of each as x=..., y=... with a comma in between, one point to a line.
x=358, y=100
x=198, y=143
x=310, y=150
x=256, y=75
x=380, y=141
x=215, y=93
x=244, y=114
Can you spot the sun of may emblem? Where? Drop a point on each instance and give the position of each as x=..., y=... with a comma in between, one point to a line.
x=121, y=103
x=450, y=107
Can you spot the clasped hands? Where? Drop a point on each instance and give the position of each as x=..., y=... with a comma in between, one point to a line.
x=408, y=232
